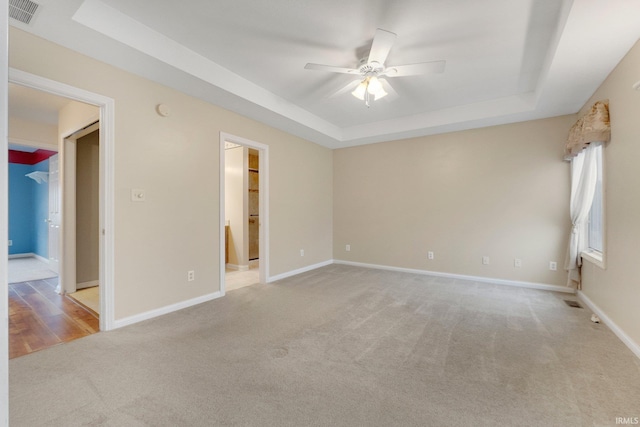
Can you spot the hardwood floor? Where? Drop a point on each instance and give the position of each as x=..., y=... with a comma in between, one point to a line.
x=40, y=318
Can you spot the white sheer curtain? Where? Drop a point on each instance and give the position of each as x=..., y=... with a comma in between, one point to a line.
x=584, y=174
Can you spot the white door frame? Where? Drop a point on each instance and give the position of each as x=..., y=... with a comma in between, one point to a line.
x=107, y=132
x=263, y=208
x=53, y=213
x=4, y=214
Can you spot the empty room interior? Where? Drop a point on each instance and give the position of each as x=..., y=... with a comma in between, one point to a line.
x=321, y=213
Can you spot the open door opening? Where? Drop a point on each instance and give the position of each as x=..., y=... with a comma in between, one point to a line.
x=80, y=109
x=82, y=159
x=244, y=214
x=41, y=315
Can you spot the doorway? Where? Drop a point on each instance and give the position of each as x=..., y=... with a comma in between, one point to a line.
x=82, y=159
x=104, y=113
x=243, y=212
x=40, y=314
x=30, y=181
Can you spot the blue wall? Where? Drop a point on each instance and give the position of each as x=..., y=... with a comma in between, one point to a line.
x=28, y=209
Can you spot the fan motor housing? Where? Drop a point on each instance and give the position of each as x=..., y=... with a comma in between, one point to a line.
x=370, y=68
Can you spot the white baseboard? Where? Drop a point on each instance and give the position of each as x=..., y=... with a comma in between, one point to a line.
x=517, y=283
x=199, y=300
x=90, y=284
x=30, y=255
x=299, y=271
x=25, y=255
x=16, y=256
x=41, y=258
x=626, y=339
x=164, y=310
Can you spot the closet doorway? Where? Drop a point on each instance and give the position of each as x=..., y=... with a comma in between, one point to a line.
x=82, y=162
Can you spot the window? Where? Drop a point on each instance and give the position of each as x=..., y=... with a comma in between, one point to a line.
x=596, y=217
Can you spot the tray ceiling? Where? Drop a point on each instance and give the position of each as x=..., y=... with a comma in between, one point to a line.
x=506, y=61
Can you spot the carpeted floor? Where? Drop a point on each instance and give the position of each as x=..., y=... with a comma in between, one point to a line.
x=341, y=346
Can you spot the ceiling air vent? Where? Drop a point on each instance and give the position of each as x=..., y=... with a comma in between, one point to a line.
x=22, y=10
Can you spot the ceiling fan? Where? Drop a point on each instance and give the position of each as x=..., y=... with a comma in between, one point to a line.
x=372, y=70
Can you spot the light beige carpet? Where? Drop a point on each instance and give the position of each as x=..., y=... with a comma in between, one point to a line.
x=341, y=346
x=29, y=268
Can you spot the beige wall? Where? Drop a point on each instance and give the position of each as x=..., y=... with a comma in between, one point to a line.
x=175, y=160
x=75, y=116
x=87, y=209
x=616, y=290
x=41, y=134
x=501, y=192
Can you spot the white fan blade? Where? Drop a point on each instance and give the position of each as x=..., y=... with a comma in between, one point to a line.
x=331, y=69
x=415, y=69
x=349, y=87
x=382, y=42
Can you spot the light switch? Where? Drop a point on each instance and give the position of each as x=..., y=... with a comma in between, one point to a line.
x=137, y=195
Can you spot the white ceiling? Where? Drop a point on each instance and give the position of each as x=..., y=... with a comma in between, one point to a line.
x=34, y=105
x=506, y=60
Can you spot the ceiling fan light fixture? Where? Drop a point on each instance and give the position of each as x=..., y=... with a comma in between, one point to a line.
x=373, y=72
x=360, y=90
x=380, y=94
x=374, y=86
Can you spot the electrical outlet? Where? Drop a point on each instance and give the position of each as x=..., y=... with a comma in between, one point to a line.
x=430, y=255
x=485, y=260
x=553, y=266
x=191, y=276
x=10, y=242
x=347, y=248
x=517, y=262
x=301, y=252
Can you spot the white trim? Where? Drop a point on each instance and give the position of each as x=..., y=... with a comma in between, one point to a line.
x=30, y=255
x=107, y=177
x=223, y=219
x=263, y=208
x=23, y=255
x=4, y=215
x=41, y=258
x=164, y=310
x=299, y=271
x=68, y=227
x=89, y=284
x=516, y=283
x=594, y=257
x=626, y=339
